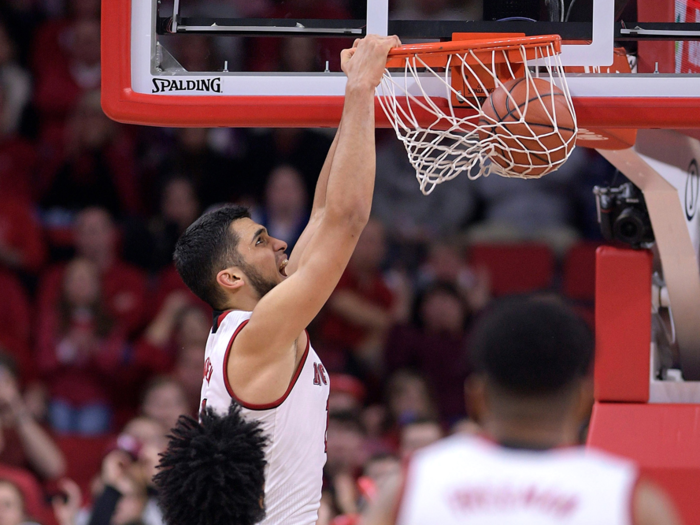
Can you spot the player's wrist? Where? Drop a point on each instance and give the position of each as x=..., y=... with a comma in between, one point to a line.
x=359, y=88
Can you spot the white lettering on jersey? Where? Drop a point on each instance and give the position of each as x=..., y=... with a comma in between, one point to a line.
x=468, y=480
x=295, y=424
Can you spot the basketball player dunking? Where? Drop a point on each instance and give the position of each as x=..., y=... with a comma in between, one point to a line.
x=530, y=394
x=258, y=352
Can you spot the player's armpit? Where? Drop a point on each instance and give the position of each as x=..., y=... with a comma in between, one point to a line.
x=382, y=511
x=652, y=506
x=260, y=364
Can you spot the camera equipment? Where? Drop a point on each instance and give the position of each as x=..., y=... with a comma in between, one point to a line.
x=623, y=215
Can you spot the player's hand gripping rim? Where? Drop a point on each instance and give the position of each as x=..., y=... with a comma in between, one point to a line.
x=365, y=61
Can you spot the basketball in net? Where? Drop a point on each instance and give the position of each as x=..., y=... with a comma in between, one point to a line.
x=492, y=104
x=529, y=124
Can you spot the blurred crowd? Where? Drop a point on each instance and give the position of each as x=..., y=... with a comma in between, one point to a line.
x=101, y=344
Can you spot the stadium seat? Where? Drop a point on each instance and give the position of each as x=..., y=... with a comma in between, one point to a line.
x=84, y=457
x=515, y=268
x=579, y=272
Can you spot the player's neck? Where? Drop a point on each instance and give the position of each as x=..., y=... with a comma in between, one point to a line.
x=245, y=303
x=531, y=434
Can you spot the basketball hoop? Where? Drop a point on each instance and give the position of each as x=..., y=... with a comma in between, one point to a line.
x=462, y=137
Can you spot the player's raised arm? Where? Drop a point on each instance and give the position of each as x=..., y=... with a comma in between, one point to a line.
x=317, y=208
x=282, y=314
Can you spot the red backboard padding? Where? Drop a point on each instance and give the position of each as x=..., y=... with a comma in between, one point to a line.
x=515, y=268
x=663, y=439
x=623, y=324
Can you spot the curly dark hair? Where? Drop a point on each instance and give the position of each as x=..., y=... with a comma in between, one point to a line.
x=213, y=471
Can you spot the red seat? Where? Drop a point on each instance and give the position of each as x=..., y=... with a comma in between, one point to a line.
x=84, y=457
x=579, y=271
x=515, y=268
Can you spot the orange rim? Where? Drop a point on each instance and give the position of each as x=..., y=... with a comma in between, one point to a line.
x=504, y=43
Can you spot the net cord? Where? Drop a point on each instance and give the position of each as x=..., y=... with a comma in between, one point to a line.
x=451, y=145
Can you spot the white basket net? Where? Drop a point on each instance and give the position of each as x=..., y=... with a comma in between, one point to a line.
x=451, y=144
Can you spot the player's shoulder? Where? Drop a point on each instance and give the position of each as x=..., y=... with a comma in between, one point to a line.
x=603, y=459
x=448, y=449
x=231, y=320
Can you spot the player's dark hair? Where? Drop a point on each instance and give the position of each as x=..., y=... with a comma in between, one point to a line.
x=532, y=346
x=207, y=247
x=213, y=471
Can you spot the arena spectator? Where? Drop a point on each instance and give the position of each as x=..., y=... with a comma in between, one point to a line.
x=165, y=400
x=15, y=323
x=15, y=83
x=126, y=494
x=23, y=441
x=12, y=505
x=418, y=434
x=97, y=166
x=380, y=466
x=65, y=64
x=346, y=455
x=168, y=281
x=67, y=503
x=17, y=155
x=347, y=394
x=123, y=286
x=299, y=55
x=197, y=53
x=175, y=341
x=446, y=263
x=155, y=351
x=304, y=149
x=438, y=10
x=286, y=206
x=80, y=349
x=435, y=344
x=407, y=398
x=215, y=177
x=179, y=207
x=264, y=54
x=188, y=364
x=21, y=243
x=359, y=313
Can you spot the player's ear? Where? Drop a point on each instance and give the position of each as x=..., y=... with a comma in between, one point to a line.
x=475, y=397
x=230, y=279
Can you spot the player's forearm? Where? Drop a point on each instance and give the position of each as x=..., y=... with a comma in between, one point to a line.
x=322, y=183
x=351, y=178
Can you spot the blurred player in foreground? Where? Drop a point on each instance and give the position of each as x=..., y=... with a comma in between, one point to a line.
x=258, y=352
x=530, y=393
x=213, y=471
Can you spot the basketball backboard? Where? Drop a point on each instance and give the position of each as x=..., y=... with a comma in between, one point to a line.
x=148, y=43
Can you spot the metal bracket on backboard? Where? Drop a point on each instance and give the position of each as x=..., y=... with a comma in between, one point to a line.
x=600, y=51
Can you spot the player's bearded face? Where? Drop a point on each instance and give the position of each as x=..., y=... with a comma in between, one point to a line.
x=260, y=283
